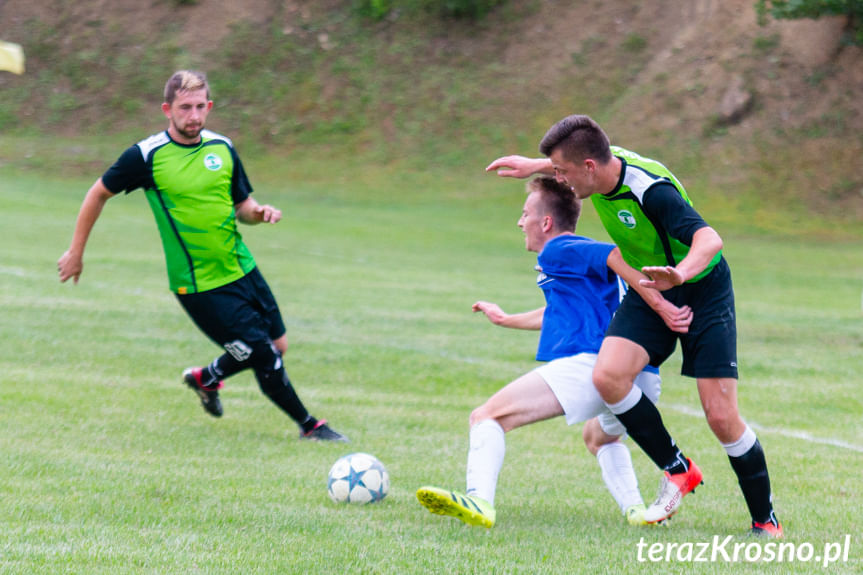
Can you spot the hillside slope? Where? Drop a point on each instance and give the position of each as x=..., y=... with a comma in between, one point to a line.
x=773, y=111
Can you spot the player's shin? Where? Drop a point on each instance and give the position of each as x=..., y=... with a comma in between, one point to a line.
x=748, y=461
x=274, y=382
x=618, y=474
x=644, y=424
x=221, y=368
x=485, y=459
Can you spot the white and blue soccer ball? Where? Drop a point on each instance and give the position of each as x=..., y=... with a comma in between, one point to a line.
x=358, y=478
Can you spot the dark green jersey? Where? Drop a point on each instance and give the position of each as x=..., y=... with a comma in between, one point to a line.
x=192, y=190
x=648, y=215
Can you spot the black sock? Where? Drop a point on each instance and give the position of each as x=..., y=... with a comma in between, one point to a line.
x=221, y=368
x=751, y=470
x=277, y=386
x=644, y=424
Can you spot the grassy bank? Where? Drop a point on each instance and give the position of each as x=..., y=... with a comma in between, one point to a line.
x=411, y=93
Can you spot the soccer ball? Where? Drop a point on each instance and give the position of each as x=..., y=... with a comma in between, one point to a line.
x=358, y=478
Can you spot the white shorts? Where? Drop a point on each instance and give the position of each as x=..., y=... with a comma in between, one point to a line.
x=571, y=381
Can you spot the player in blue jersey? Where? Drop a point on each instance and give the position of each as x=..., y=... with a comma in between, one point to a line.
x=647, y=213
x=582, y=292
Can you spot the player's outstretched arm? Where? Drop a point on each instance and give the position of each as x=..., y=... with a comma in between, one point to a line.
x=520, y=166
x=525, y=320
x=676, y=318
x=706, y=243
x=71, y=263
x=251, y=212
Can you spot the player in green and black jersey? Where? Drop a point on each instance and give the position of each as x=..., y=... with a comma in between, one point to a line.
x=198, y=191
x=648, y=214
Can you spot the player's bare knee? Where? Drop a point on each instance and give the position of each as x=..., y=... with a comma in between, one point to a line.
x=281, y=344
x=481, y=413
x=486, y=413
x=611, y=385
x=725, y=424
x=590, y=439
x=601, y=376
x=595, y=437
x=266, y=362
x=265, y=356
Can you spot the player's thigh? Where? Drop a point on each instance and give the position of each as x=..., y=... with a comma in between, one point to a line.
x=265, y=304
x=230, y=317
x=222, y=314
x=571, y=381
x=522, y=401
x=710, y=347
x=636, y=322
x=619, y=362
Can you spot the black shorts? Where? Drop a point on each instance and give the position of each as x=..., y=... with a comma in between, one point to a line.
x=710, y=347
x=243, y=311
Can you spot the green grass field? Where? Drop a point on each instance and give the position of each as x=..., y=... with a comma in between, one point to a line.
x=109, y=465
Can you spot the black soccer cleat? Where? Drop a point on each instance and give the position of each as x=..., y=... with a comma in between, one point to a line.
x=208, y=394
x=323, y=432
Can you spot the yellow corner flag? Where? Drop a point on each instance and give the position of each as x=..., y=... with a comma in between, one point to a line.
x=11, y=57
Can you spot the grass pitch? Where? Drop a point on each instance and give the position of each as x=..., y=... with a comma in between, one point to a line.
x=111, y=466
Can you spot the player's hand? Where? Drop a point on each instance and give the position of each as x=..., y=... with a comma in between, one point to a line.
x=514, y=166
x=677, y=319
x=267, y=214
x=662, y=277
x=69, y=266
x=491, y=310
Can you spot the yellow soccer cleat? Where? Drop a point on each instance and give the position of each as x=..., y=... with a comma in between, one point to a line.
x=469, y=508
x=635, y=514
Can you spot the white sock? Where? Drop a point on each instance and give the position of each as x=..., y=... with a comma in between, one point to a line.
x=619, y=476
x=485, y=458
x=627, y=403
x=742, y=445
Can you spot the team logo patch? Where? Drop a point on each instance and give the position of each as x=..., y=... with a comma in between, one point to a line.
x=626, y=218
x=239, y=350
x=213, y=162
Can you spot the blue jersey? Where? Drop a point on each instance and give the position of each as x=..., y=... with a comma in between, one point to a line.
x=581, y=295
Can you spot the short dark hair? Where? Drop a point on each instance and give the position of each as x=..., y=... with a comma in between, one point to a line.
x=558, y=200
x=185, y=81
x=579, y=138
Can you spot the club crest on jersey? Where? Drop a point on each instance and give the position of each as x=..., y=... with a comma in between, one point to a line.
x=213, y=162
x=626, y=218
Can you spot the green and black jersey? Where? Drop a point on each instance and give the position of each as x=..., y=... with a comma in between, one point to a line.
x=648, y=214
x=192, y=190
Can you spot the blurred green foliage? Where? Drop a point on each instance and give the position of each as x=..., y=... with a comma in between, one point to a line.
x=467, y=9
x=796, y=9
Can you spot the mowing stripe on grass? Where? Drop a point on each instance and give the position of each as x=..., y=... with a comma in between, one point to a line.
x=793, y=433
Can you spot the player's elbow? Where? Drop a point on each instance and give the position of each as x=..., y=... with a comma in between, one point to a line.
x=709, y=240
x=717, y=242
